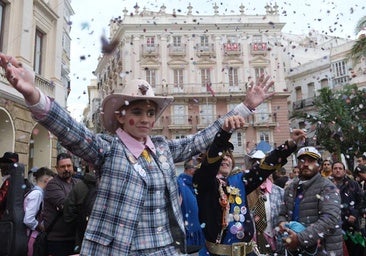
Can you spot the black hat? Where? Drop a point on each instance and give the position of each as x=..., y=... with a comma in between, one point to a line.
x=9, y=157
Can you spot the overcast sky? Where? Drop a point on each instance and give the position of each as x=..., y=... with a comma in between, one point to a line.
x=336, y=18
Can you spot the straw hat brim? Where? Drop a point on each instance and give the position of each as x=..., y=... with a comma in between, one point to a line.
x=114, y=102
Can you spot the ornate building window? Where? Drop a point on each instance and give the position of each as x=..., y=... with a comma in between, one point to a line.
x=2, y=15
x=151, y=77
x=205, y=77
x=233, y=76
x=38, y=51
x=178, y=78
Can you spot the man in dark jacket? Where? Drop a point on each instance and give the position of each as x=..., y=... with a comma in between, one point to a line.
x=61, y=235
x=223, y=207
x=311, y=215
x=79, y=204
x=351, y=198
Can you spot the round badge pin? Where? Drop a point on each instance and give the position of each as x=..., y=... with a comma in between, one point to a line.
x=162, y=159
x=239, y=226
x=142, y=172
x=165, y=166
x=236, y=217
x=233, y=230
x=243, y=210
x=240, y=235
x=237, y=209
x=238, y=200
x=241, y=218
x=132, y=159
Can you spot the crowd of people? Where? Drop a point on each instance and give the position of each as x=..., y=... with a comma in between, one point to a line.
x=132, y=203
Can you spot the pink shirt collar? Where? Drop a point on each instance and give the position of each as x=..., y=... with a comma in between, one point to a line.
x=133, y=145
x=267, y=185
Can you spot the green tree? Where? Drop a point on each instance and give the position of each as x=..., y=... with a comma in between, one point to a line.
x=340, y=121
x=361, y=25
x=358, y=50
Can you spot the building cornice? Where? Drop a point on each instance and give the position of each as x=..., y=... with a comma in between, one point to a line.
x=46, y=9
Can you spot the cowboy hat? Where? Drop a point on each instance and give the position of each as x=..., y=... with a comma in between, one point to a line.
x=133, y=90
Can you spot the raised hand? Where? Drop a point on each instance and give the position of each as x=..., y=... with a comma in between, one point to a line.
x=298, y=136
x=20, y=78
x=233, y=122
x=257, y=93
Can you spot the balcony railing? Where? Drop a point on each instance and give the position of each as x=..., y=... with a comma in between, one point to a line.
x=204, y=120
x=300, y=104
x=200, y=89
x=150, y=50
x=43, y=84
x=205, y=50
x=263, y=119
x=176, y=121
x=177, y=50
x=232, y=49
x=2, y=76
x=258, y=48
x=309, y=102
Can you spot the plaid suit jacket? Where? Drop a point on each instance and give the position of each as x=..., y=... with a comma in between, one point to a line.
x=121, y=191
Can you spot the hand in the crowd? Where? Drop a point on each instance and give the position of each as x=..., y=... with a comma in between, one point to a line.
x=232, y=123
x=291, y=241
x=40, y=227
x=257, y=93
x=20, y=78
x=282, y=227
x=298, y=136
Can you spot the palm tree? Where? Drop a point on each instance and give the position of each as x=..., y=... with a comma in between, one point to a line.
x=361, y=25
x=358, y=50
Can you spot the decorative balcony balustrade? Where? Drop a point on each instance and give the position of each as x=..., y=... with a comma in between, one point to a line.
x=205, y=50
x=232, y=49
x=43, y=84
x=262, y=119
x=258, y=48
x=177, y=50
x=217, y=89
x=150, y=50
x=300, y=104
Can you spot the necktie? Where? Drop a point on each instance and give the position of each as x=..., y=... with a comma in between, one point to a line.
x=260, y=213
x=261, y=223
x=145, y=154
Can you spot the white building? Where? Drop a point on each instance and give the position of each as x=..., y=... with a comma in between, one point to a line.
x=206, y=63
x=36, y=33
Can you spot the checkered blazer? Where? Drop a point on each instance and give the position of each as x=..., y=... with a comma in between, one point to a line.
x=121, y=191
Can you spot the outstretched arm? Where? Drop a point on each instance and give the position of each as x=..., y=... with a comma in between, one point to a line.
x=20, y=78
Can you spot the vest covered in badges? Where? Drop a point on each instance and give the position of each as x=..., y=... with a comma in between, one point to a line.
x=240, y=225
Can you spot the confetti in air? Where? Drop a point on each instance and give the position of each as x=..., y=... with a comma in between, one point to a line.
x=108, y=47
